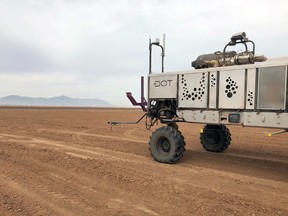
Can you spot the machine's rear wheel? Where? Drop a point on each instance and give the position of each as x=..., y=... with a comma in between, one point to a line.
x=215, y=138
x=167, y=145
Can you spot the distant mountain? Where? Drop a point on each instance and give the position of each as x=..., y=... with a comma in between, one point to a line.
x=15, y=100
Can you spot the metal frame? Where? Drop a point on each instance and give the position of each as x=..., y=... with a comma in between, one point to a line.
x=157, y=43
x=237, y=39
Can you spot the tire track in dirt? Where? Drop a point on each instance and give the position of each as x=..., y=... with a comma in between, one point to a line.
x=86, y=188
x=104, y=175
x=77, y=150
x=47, y=197
x=129, y=134
x=102, y=191
x=132, y=138
x=232, y=160
x=235, y=160
x=24, y=192
x=238, y=179
x=100, y=135
x=129, y=164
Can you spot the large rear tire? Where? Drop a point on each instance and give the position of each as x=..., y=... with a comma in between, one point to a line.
x=167, y=145
x=215, y=138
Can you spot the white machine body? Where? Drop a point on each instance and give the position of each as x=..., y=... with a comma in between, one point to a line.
x=248, y=95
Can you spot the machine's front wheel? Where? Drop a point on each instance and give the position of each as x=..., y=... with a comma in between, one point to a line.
x=215, y=138
x=167, y=145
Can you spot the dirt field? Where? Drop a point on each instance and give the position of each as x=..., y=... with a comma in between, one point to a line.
x=70, y=162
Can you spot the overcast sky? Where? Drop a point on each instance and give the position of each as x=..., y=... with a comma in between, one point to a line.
x=99, y=48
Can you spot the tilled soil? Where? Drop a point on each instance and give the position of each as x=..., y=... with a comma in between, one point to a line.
x=71, y=162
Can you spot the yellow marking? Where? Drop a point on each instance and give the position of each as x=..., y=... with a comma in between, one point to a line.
x=269, y=134
x=201, y=130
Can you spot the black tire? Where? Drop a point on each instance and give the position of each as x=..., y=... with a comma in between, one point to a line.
x=174, y=125
x=167, y=145
x=215, y=138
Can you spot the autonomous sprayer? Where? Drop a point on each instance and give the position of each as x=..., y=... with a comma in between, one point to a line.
x=224, y=88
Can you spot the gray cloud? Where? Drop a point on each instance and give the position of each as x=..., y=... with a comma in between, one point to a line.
x=83, y=47
x=18, y=57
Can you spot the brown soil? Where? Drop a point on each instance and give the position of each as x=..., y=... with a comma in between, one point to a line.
x=70, y=162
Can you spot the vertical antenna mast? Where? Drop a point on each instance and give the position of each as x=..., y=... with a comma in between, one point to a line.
x=150, y=56
x=163, y=52
x=156, y=43
x=164, y=42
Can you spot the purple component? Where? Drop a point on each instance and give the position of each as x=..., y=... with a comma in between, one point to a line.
x=143, y=102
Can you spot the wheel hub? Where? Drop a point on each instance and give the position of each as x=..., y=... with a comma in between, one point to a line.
x=211, y=137
x=165, y=145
